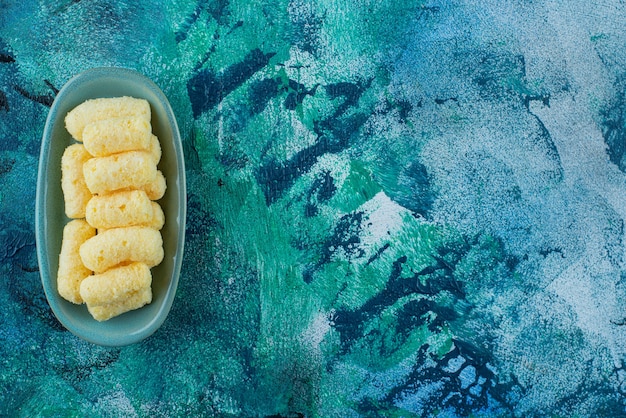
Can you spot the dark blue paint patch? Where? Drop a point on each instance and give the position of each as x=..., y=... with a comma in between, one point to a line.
x=51, y=87
x=6, y=58
x=615, y=137
x=297, y=93
x=528, y=98
x=351, y=323
x=207, y=88
x=4, y=102
x=440, y=101
x=309, y=272
x=484, y=393
x=13, y=243
x=232, y=159
x=276, y=177
x=44, y=99
x=502, y=76
x=202, y=222
x=378, y=253
x=26, y=293
x=217, y=9
x=310, y=210
x=351, y=92
x=322, y=189
x=342, y=130
x=261, y=92
x=325, y=187
x=192, y=158
x=405, y=108
x=345, y=238
x=334, y=135
x=77, y=374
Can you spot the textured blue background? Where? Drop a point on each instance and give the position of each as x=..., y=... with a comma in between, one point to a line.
x=398, y=208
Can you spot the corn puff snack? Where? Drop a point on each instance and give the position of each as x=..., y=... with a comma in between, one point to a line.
x=156, y=188
x=154, y=148
x=104, y=108
x=75, y=191
x=122, y=245
x=131, y=169
x=120, y=209
x=115, y=284
x=110, y=136
x=158, y=217
x=72, y=271
x=134, y=301
x=156, y=222
x=117, y=290
x=112, y=181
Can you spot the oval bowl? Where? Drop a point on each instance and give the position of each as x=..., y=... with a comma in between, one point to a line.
x=136, y=325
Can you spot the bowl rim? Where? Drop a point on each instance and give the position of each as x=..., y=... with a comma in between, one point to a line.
x=124, y=75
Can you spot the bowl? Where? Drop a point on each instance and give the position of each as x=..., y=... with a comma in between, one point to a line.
x=136, y=325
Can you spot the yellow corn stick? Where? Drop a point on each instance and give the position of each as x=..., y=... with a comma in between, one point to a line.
x=104, y=108
x=75, y=191
x=131, y=169
x=154, y=148
x=156, y=188
x=158, y=217
x=134, y=301
x=119, y=209
x=116, y=284
x=72, y=271
x=121, y=245
x=110, y=136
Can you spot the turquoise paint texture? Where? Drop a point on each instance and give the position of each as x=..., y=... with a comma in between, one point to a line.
x=395, y=208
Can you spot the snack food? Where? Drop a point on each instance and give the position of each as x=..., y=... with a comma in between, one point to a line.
x=135, y=300
x=112, y=181
x=117, y=290
x=154, y=148
x=104, y=108
x=110, y=136
x=119, y=209
x=72, y=271
x=122, y=245
x=156, y=188
x=115, y=284
x=158, y=217
x=75, y=191
x=156, y=222
x=131, y=169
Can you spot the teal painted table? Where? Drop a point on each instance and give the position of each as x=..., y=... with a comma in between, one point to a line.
x=400, y=208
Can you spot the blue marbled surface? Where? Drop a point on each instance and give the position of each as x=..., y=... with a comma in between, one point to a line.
x=398, y=208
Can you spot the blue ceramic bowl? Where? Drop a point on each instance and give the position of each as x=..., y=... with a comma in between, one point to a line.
x=136, y=325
